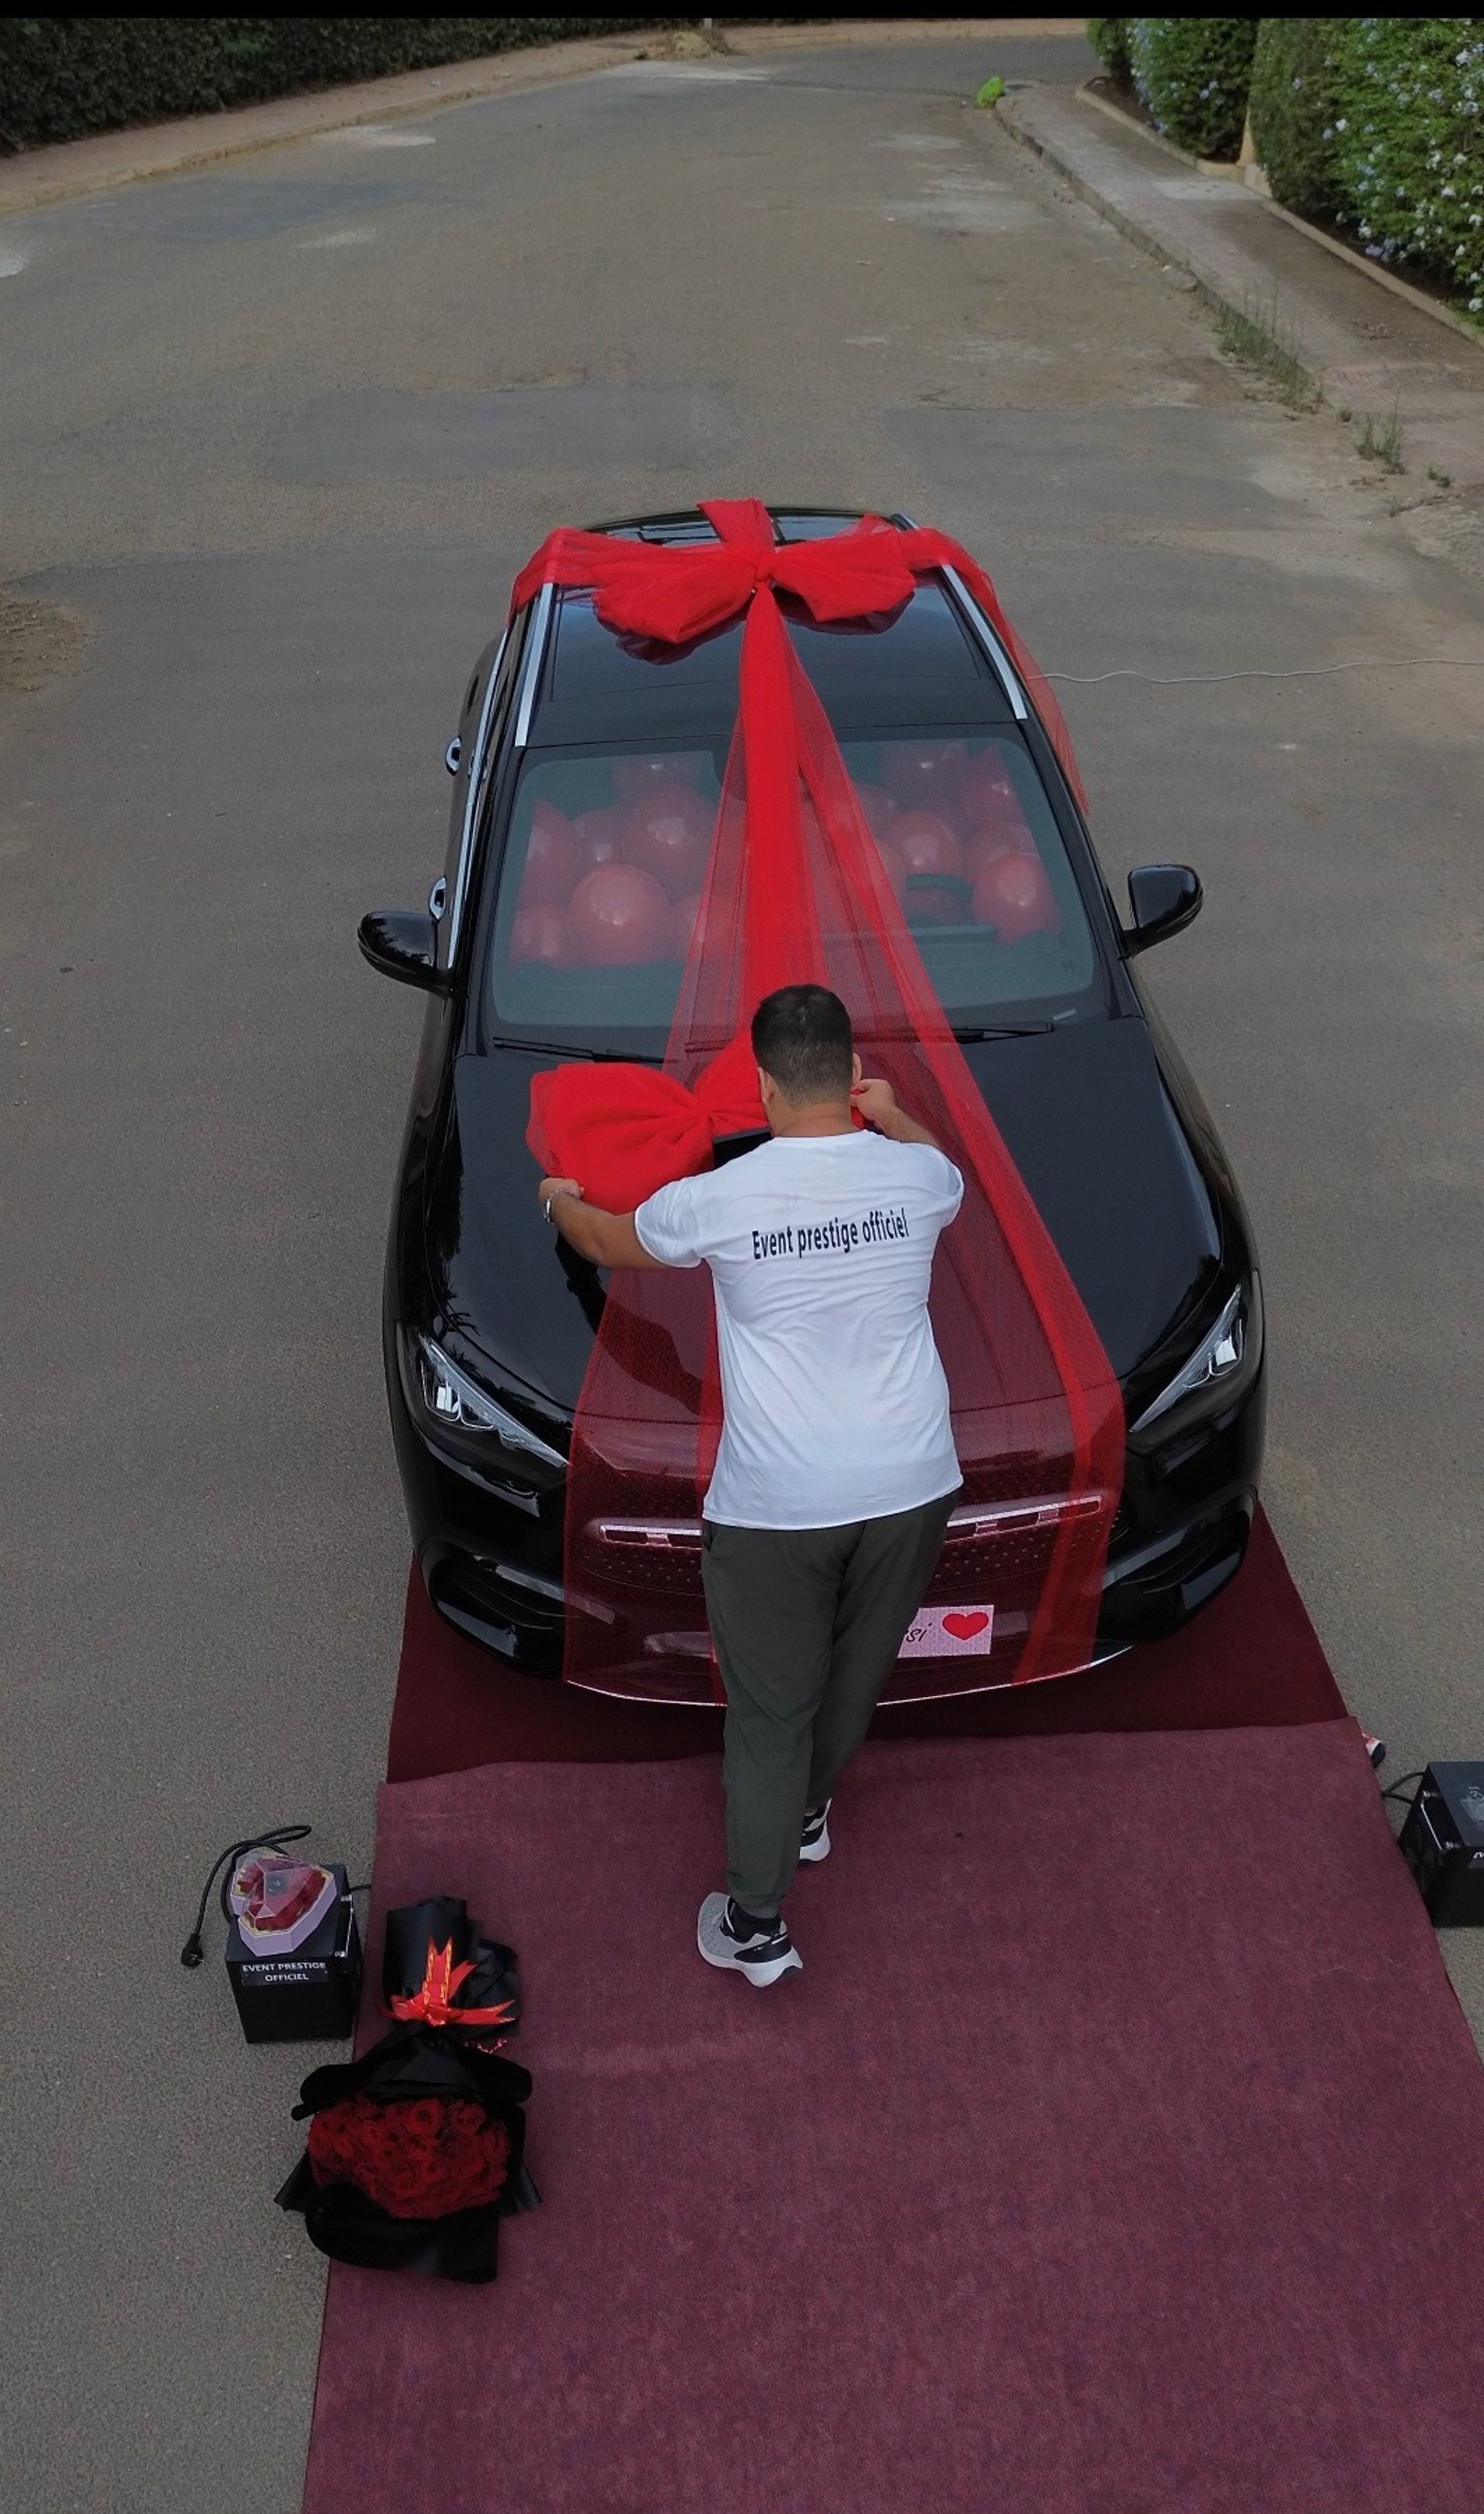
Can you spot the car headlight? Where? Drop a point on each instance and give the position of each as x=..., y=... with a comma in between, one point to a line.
x=465, y=1417
x=1223, y=1362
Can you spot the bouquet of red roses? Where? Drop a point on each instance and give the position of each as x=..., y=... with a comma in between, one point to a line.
x=415, y=2150
x=423, y=2156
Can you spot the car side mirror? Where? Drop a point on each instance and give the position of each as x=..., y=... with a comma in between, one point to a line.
x=403, y=943
x=1165, y=899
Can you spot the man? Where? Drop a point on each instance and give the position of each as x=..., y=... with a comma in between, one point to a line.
x=836, y=1471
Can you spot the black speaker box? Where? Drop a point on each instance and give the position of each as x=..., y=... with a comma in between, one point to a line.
x=1443, y=1844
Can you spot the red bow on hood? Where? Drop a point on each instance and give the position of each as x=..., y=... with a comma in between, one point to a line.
x=623, y=1130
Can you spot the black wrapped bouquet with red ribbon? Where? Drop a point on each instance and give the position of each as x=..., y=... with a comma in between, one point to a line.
x=415, y=2150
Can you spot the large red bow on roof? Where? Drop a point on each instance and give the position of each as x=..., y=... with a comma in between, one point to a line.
x=641, y=589
x=797, y=890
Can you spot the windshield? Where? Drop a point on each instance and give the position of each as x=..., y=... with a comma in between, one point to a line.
x=601, y=874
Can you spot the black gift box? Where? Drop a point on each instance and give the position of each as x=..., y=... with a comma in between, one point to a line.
x=310, y=1996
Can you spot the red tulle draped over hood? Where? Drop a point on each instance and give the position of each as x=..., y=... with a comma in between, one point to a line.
x=797, y=890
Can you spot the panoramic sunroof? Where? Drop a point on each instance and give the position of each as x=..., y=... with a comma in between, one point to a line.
x=867, y=663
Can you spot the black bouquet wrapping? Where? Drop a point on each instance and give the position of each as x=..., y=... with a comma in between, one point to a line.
x=415, y=2150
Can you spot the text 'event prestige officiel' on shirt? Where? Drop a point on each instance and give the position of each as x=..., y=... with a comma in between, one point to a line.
x=821, y=1247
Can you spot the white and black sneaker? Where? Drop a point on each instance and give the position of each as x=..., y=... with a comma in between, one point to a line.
x=813, y=1841
x=762, y=1951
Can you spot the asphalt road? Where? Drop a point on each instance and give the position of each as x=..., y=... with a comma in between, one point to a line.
x=275, y=438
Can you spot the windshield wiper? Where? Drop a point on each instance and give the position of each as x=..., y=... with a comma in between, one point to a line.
x=575, y=1055
x=1006, y=1029
x=972, y=1037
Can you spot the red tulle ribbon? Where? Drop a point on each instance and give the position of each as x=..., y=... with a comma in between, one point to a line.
x=797, y=890
x=431, y=2003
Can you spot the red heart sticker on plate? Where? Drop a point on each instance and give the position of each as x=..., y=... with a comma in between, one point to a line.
x=964, y=1627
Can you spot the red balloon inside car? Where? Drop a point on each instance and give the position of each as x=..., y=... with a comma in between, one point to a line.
x=620, y=916
x=1014, y=896
x=554, y=859
x=986, y=790
x=895, y=870
x=878, y=806
x=540, y=934
x=669, y=835
x=600, y=834
x=986, y=846
x=926, y=844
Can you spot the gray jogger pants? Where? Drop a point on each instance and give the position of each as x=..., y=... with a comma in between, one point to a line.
x=807, y=1623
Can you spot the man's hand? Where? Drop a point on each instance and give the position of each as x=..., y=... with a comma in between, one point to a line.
x=877, y=1103
x=604, y=1239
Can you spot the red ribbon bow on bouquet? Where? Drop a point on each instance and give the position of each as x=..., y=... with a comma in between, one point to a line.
x=797, y=890
x=432, y=2001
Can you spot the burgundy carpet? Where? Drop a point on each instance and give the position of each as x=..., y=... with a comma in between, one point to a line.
x=1251, y=1659
x=1120, y=2150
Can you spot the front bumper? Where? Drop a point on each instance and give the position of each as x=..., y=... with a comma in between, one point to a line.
x=493, y=1563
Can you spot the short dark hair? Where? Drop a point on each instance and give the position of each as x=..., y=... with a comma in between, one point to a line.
x=801, y=1035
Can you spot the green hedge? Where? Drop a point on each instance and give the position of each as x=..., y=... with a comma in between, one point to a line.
x=1193, y=74
x=1377, y=123
x=1295, y=73
x=1409, y=147
x=1109, y=40
x=63, y=76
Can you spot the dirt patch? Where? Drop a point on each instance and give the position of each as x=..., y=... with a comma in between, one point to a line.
x=39, y=640
x=702, y=43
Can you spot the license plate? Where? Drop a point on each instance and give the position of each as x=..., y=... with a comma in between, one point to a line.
x=950, y=1632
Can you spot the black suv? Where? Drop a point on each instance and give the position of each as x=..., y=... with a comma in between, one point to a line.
x=577, y=750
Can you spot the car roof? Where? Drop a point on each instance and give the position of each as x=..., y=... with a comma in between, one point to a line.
x=920, y=666
x=687, y=525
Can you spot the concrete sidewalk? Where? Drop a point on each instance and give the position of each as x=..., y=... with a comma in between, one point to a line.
x=1370, y=351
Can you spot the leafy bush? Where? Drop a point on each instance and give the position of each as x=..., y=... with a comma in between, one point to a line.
x=62, y=76
x=1293, y=75
x=1109, y=40
x=1193, y=74
x=1409, y=146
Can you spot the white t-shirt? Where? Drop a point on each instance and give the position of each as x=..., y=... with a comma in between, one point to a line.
x=821, y=1247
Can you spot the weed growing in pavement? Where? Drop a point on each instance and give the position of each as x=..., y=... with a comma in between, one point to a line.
x=1258, y=336
x=1381, y=441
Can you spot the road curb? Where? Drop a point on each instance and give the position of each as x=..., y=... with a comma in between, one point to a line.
x=1148, y=238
